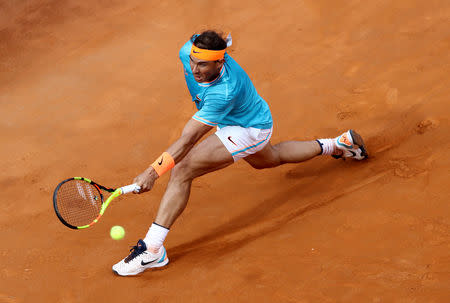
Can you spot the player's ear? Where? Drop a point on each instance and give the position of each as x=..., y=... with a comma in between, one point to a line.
x=219, y=63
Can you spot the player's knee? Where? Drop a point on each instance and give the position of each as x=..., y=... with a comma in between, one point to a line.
x=257, y=165
x=182, y=171
x=268, y=161
x=262, y=165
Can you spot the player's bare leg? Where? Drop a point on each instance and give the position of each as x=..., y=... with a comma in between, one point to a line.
x=211, y=155
x=284, y=152
x=348, y=145
x=208, y=156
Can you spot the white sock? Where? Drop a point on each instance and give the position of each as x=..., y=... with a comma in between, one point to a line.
x=327, y=145
x=155, y=237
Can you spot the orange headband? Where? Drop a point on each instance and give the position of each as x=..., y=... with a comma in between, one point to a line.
x=207, y=54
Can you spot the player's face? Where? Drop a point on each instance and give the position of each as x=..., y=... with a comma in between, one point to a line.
x=205, y=71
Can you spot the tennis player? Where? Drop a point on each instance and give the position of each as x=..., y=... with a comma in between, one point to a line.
x=226, y=100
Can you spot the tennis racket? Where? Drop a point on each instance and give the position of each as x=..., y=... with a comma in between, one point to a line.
x=79, y=202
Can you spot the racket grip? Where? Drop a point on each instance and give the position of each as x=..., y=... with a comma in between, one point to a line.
x=130, y=188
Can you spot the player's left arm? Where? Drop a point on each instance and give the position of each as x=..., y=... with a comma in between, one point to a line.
x=193, y=131
x=216, y=106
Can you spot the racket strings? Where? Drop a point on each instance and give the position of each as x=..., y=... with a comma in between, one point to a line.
x=78, y=202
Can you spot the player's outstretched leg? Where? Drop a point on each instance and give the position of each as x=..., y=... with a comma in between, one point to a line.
x=140, y=259
x=348, y=145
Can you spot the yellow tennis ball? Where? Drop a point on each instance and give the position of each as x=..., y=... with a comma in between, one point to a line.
x=117, y=232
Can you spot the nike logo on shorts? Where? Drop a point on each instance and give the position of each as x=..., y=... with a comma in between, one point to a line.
x=229, y=138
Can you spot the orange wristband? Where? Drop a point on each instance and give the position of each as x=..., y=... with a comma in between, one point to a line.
x=163, y=164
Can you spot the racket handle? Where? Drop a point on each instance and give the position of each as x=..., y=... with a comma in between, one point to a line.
x=130, y=188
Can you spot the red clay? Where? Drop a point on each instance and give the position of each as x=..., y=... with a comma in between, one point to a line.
x=98, y=91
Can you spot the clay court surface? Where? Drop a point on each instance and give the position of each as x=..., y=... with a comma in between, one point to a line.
x=97, y=90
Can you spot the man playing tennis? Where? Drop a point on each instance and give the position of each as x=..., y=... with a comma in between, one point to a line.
x=225, y=98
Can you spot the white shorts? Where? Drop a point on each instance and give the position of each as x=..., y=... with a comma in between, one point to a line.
x=242, y=142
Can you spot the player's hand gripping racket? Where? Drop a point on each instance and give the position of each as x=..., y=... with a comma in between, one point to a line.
x=79, y=202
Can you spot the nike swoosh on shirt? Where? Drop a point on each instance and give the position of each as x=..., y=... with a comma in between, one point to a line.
x=195, y=52
x=146, y=263
x=160, y=162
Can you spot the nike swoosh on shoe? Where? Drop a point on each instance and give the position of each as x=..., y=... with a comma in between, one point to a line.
x=147, y=263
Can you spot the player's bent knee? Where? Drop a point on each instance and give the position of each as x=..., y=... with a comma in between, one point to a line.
x=262, y=165
x=257, y=166
x=182, y=171
x=268, y=158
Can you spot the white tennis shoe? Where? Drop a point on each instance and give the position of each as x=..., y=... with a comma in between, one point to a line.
x=140, y=259
x=352, y=146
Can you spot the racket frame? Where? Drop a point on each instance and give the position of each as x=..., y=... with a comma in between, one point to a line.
x=115, y=194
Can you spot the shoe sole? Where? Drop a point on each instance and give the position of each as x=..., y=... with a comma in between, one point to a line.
x=358, y=140
x=156, y=266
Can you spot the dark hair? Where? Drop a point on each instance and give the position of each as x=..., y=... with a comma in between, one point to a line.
x=209, y=40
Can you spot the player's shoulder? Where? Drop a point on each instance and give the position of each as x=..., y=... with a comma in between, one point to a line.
x=185, y=50
x=222, y=91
